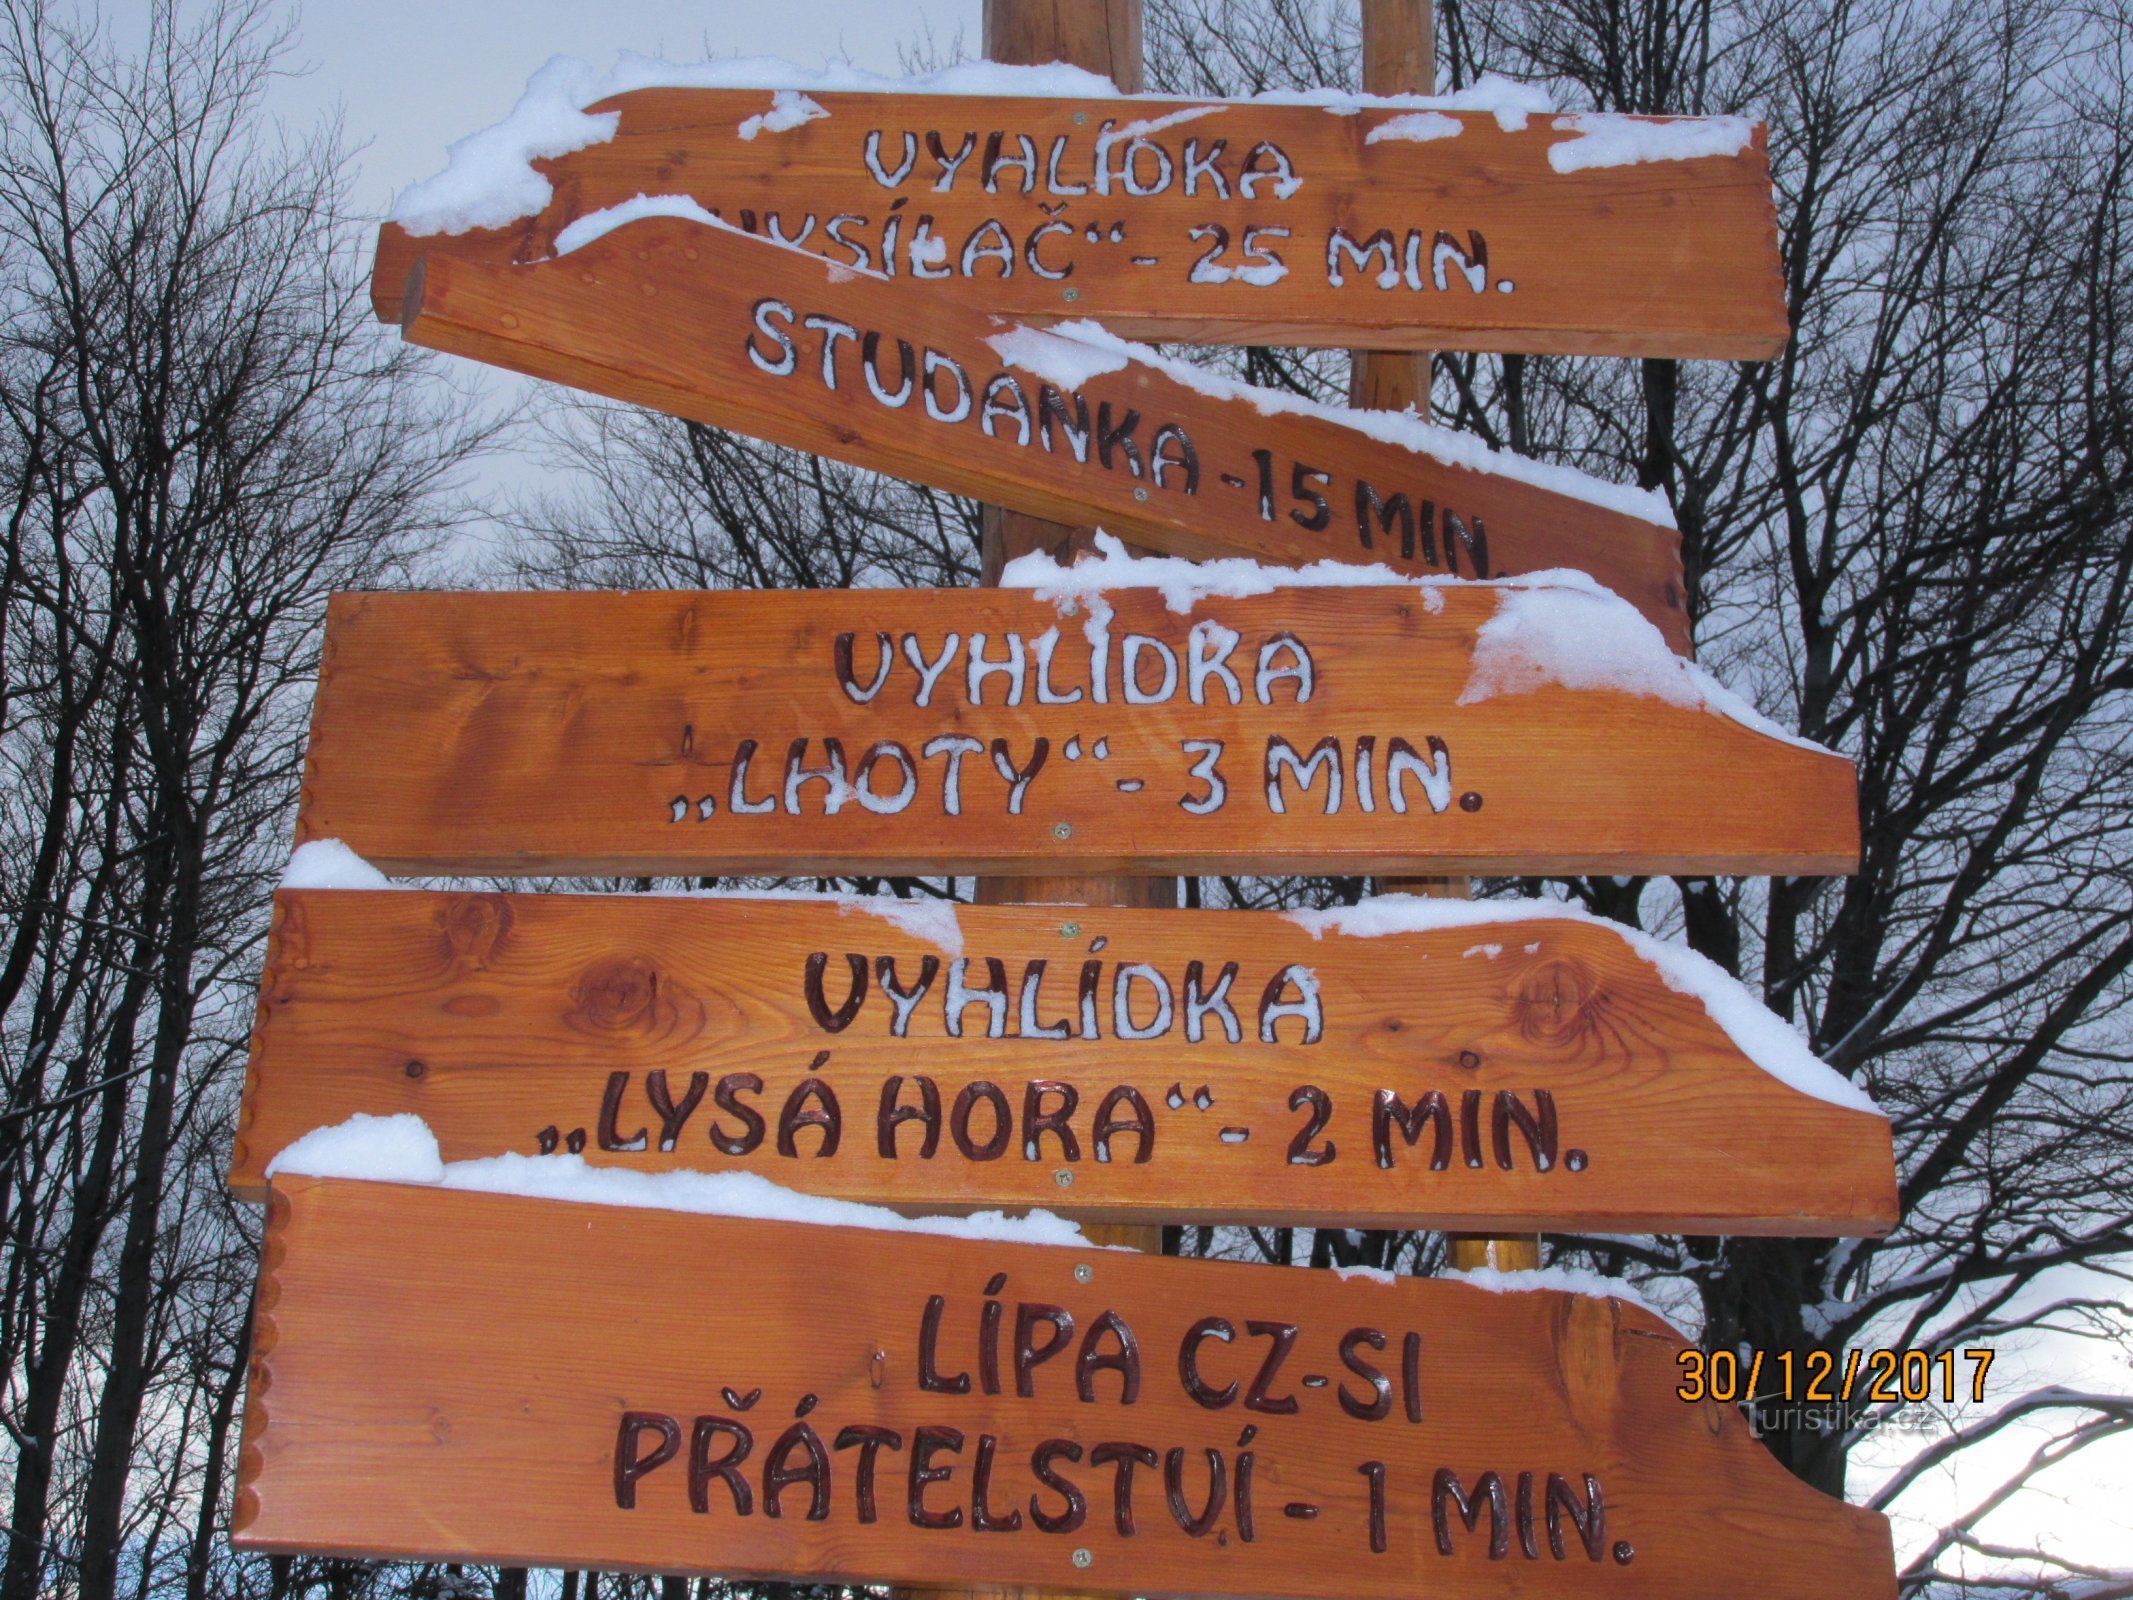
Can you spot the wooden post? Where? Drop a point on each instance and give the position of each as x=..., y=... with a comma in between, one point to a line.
x=1100, y=35
x=1400, y=57
x=1103, y=36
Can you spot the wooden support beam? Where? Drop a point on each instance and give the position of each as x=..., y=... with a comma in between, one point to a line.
x=1102, y=36
x=1399, y=46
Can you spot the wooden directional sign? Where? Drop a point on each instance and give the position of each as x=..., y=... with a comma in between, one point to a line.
x=1212, y=222
x=459, y=1376
x=939, y=731
x=1511, y=1075
x=707, y=323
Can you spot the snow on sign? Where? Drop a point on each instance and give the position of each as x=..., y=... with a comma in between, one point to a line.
x=1365, y=725
x=1445, y=1064
x=1477, y=222
x=683, y=314
x=440, y=1373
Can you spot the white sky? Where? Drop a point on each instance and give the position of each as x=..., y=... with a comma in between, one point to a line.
x=413, y=75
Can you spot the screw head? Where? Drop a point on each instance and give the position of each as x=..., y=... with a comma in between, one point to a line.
x=1070, y=930
x=1081, y=120
x=416, y=1069
x=1062, y=830
x=1070, y=294
x=1141, y=495
x=1084, y=1272
x=1064, y=1177
x=1082, y=1558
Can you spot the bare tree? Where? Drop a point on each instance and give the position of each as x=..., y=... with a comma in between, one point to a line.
x=204, y=436
x=655, y=502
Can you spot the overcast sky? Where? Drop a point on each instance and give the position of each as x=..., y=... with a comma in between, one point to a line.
x=413, y=75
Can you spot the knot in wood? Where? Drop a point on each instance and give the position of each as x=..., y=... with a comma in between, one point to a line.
x=618, y=994
x=1557, y=1001
x=475, y=927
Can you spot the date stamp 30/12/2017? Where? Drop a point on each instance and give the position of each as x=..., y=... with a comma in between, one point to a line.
x=1828, y=1377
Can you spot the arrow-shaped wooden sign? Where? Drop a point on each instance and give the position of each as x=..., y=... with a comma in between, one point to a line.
x=447, y=1375
x=1345, y=223
x=1439, y=1068
x=1387, y=729
x=701, y=321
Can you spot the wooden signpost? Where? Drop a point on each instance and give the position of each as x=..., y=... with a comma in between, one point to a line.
x=706, y=323
x=481, y=1377
x=1211, y=221
x=1516, y=1073
x=945, y=731
x=461, y=1376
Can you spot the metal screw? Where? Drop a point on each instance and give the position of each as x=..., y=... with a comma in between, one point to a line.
x=416, y=1069
x=1070, y=294
x=1081, y=119
x=1062, y=830
x=1063, y=1178
x=1070, y=930
x=1140, y=494
x=1084, y=1272
x=1082, y=1558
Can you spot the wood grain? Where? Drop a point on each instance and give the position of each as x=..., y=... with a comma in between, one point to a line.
x=1666, y=258
x=709, y=324
x=1101, y=36
x=567, y=733
x=470, y=1377
x=504, y=1020
x=1399, y=56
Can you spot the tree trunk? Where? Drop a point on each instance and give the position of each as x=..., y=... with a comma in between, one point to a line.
x=207, y=1515
x=24, y=1577
x=126, y=1376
